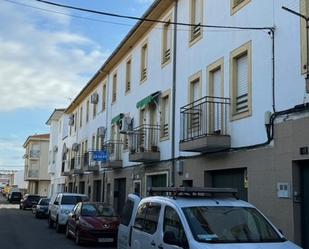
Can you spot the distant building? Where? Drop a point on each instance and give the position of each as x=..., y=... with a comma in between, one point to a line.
x=19, y=180
x=58, y=123
x=36, y=164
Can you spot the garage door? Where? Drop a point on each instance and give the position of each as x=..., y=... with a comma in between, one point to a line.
x=231, y=179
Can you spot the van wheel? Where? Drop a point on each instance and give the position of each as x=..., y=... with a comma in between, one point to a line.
x=50, y=222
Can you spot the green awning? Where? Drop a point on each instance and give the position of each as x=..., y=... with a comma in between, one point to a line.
x=148, y=100
x=116, y=119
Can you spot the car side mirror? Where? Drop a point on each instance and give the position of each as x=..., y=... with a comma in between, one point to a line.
x=170, y=239
x=74, y=216
x=56, y=203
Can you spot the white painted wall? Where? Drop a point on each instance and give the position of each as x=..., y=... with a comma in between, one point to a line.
x=215, y=44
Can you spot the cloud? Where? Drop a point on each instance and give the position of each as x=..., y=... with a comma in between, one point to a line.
x=11, y=152
x=42, y=61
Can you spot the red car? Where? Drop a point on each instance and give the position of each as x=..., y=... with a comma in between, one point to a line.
x=93, y=222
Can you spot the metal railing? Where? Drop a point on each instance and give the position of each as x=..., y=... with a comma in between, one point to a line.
x=204, y=117
x=114, y=150
x=33, y=173
x=34, y=154
x=145, y=138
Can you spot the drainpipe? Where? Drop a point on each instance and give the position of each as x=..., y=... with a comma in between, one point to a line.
x=174, y=95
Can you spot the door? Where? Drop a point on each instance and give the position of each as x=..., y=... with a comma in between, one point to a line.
x=145, y=233
x=216, y=109
x=97, y=185
x=119, y=194
x=196, y=111
x=305, y=203
x=235, y=178
x=126, y=222
x=172, y=224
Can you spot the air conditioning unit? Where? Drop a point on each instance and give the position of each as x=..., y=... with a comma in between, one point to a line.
x=94, y=98
x=125, y=124
x=101, y=131
x=55, y=149
x=75, y=147
x=71, y=120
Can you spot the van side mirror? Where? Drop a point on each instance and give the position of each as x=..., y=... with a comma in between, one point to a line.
x=170, y=239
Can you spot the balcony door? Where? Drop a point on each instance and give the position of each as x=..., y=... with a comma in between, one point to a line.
x=215, y=108
x=195, y=115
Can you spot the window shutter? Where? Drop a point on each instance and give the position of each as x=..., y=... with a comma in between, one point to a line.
x=242, y=84
x=217, y=80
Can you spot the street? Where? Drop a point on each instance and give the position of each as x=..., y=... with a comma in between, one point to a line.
x=20, y=230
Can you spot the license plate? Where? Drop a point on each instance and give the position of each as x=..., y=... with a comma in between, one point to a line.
x=106, y=240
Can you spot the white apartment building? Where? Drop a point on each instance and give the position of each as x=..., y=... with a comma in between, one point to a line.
x=36, y=164
x=222, y=105
x=58, y=122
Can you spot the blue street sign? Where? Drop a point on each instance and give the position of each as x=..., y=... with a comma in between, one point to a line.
x=100, y=156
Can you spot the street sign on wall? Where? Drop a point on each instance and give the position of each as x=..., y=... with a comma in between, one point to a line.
x=100, y=156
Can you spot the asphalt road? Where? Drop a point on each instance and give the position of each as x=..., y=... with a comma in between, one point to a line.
x=20, y=230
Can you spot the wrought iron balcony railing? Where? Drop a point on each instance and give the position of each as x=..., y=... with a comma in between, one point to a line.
x=145, y=138
x=204, y=117
x=114, y=150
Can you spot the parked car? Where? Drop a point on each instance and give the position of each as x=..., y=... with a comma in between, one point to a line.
x=196, y=219
x=41, y=209
x=60, y=206
x=28, y=201
x=93, y=222
x=15, y=197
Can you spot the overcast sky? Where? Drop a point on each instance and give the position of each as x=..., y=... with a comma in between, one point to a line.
x=47, y=54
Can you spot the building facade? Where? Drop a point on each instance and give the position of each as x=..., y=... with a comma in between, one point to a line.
x=36, y=164
x=58, y=123
x=221, y=102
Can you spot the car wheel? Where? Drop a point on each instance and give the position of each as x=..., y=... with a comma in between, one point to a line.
x=58, y=227
x=77, y=238
x=67, y=231
x=50, y=222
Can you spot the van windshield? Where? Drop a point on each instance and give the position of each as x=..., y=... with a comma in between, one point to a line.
x=230, y=225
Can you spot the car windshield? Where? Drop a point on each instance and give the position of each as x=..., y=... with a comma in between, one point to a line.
x=44, y=202
x=95, y=210
x=72, y=200
x=16, y=194
x=229, y=225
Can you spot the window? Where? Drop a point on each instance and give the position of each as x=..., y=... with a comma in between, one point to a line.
x=104, y=97
x=127, y=212
x=75, y=121
x=128, y=76
x=87, y=111
x=144, y=62
x=241, y=81
x=237, y=5
x=125, y=141
x=172, y=223
x=147, y=217
x=165, y=116
x=81, y=117
x=195, y=93
x=114, y=92
x=94, y=110
x=196, y=17
x=93, y=142
x=167, y=42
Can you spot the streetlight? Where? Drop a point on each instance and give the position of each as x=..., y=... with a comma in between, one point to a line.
x=307, y=35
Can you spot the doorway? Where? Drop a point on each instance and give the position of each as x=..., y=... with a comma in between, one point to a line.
x=119, y=194
x=305, y=203
x=97, y=190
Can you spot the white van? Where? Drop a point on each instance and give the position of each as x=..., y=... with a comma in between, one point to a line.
x=196, y=218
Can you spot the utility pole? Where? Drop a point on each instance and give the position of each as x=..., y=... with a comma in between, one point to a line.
x=307, y=43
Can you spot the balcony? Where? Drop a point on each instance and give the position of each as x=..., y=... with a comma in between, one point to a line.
x=33, y=174
x=204, y=125
x=34, y=154
x=75, y=166
x=114, y=152
x=65, y=168
x=144, y=144
x=89, y=164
